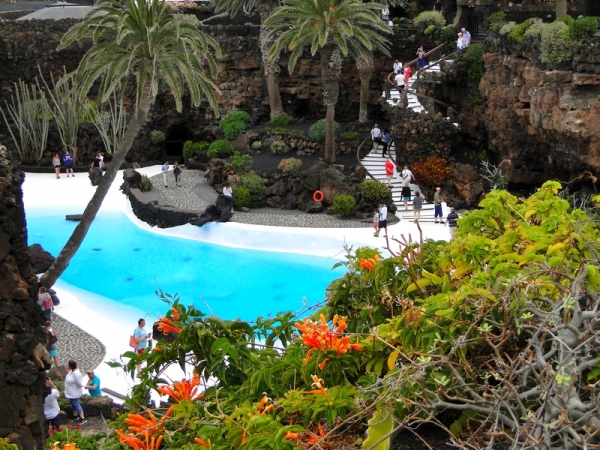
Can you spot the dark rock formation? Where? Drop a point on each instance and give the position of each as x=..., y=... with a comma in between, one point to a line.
x=156, y=215
x=41, y=260
x=96, y=176
x=23, y=358
x=220, y=211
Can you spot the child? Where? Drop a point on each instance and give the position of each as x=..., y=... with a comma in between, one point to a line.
x=376, y=221
x=53, y=350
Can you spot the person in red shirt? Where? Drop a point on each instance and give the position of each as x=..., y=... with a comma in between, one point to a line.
x=407, y=73
x=389, y=171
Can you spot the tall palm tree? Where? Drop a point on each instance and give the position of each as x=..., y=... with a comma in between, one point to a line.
x=270, y=65
x=561, y=8
x=336, y=28
x=138, y=42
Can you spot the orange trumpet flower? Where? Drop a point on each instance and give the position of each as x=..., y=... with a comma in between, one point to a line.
x=202, y=443
x=184, y=390
x=167, y=326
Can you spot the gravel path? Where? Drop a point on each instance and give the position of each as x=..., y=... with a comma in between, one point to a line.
x=74, y=343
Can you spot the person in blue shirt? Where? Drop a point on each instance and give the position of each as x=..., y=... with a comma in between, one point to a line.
x=386, y=138
x=68, y=160
x=93, y=384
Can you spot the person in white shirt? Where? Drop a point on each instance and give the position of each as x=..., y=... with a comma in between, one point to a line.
x=74, y=390
x=466, y=37
x=460, y=43
x=375, y=136
x=397, y=67
x=165, y=171
x=51, y=408
x=385, y=13
x=407, y=176
x=382, y=219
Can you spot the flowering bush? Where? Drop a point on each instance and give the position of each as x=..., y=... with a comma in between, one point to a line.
x=70, y=438
x=431, y=171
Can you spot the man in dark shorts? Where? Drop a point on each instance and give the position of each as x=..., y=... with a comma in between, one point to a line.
x=382, y=219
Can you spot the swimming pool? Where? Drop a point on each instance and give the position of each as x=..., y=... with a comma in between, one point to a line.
x=120, y=261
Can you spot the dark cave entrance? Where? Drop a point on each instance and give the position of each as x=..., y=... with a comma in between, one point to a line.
x=176, y=137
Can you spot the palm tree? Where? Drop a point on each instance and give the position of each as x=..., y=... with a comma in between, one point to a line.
x=270, y=65
x=561, y=8
x=135, y=41
x=336, y=28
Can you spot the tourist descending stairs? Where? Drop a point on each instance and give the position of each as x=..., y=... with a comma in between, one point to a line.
x=374, y=162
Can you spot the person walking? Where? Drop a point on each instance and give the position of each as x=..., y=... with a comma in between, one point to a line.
x=165, y=171
x=74, y=390
x=375, y=137
x=386, y=139
x=53, y=337
x=452, y=222
x=68, y=160
x=466, y=37
x=405, y=194
x=56, y=164
x=399, y=80
x=45, y=302
x=93, y=384
x=437, y=205
x=438, y=7
x=382, y=219
x=397, y=67
x=51, y=408
x=421, y=56
x=460, y=43
x=417, y=206
x=389, y=171
x=407, y=73
x=407, y=175
x=177, y=172
x=376, y=221
x=142, y=337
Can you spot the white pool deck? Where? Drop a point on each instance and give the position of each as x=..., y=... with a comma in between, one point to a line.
x=112, y=323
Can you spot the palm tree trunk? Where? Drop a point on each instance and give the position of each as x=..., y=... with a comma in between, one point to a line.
x=365, y=70
x=270, y=65
x=66, y=254
x=561, y=8
x=331, y=67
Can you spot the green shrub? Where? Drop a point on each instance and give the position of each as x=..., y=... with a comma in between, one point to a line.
x=241, y=197
x=557, y=48
x=157, y=137
x=474, y=55
x=256, y=145
x=145, y=184
x=496, y=19
x=427, y=18
x=349, y=135
x=374, y=190
x=429, y=30
x=233, y=123
x=231, y=130
x=508, y=27
x=281, y=130
x=316, y=132
x=255, y=185
x=517, y=34
x=344, y=204
x=535, y=30
x=240, y=163
x=582, y=27
x=448, y=34
x=293, y=166
x=281, y=120
x=192, y=149
x=279, y=148
x=220, y=149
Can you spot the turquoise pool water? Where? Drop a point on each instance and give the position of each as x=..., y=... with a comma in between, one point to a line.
x=120, y=261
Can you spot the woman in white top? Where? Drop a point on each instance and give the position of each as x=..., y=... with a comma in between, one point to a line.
x=51, y=408
x=74, y=390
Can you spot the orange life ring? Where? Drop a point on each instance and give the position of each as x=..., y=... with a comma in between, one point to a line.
x=318, y=196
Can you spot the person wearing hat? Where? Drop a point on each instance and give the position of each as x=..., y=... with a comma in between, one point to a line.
x=382, y=219
x=93, y=384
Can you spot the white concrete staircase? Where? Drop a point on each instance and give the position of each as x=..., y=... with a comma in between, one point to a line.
x=374, y=162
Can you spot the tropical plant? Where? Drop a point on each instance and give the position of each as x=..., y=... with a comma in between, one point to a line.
x=193, y=149
x=427, y=18
x=256, y=145
x=70, y=437
x=30, y=113
x=558, y=49
x=281, y=120
x=364, y=65
x=447, y=34
x=6, y=445
x=110, y=119
x=141, y=40
x=349, y=135
x=291, y=166
x=255, y=185
x=239, y=163
x=517, y=34
x=474, y=56
x=535, y=30
x=496, y=19
x=508, y=27
x=318, y=130
x=270, y=62
x=431, y=171
x=344, y=205
x=145, y=184
x=241, y=197
x=374, y=190
x=233, y=123
x=279, y=148
x=220, y=149
x=335, y=28
x=429, y=30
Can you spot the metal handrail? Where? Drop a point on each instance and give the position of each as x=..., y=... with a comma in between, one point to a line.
x=360, y=161
x=443, y=58
x=427, y=54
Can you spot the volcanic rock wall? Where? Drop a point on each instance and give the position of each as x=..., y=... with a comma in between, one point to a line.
x=22, y=357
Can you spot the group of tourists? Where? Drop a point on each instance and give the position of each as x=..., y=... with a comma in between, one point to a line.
x=176, y=172
x=67, y=159
x=464, y=39
x=74, y=386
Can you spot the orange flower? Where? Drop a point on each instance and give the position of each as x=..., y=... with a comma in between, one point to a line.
x=183, y=390
x=320, y=389
x=149, y=441
x=291, y=435
x=174, y=313
x=202, y=443
x=368, y=263
x=320, y=336
x=167, y=326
